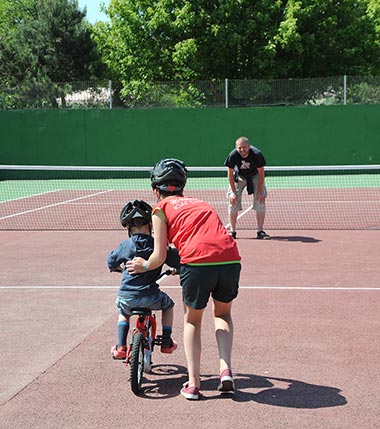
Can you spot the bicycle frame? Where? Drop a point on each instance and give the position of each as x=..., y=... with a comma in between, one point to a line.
x=139, y=352
x=143, y=339
x=146, y=325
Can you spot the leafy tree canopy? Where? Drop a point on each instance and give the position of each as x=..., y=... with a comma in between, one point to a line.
x=239, y=39
x=46, y=41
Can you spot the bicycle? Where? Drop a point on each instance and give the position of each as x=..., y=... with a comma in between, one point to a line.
x=142, y=342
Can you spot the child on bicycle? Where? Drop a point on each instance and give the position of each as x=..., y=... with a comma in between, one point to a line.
x=140, y=290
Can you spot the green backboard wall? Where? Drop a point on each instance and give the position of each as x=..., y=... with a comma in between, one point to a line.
x=324, y=135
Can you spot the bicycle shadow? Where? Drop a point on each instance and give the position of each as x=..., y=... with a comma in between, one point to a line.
x=164, y=381
x=280, y=392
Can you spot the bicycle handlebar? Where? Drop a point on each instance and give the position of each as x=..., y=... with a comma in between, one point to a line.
x=169, y=272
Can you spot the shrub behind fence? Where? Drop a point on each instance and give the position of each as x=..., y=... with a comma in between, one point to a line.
x=195, y=94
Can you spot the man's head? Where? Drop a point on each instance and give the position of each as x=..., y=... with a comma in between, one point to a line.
x=242, y=145
x=169, y=177
x=137, y=216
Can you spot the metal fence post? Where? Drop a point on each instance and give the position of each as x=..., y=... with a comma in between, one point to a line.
x=226, y=92
x=110, y=90
x=345, y=89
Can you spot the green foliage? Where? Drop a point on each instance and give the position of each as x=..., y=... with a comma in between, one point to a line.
x=50, y=42
x=144, y=94
x=367, y=92
x=43, y=42
x=161, y=40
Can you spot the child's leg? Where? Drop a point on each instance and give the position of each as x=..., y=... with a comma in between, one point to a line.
x=119, y=351
x=168, y=345
x=122, y=331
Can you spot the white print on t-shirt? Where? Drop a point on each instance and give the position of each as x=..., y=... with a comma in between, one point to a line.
x=245, y=165
x=180, y=202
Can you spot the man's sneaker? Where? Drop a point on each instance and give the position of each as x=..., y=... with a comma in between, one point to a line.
x=226, y=381
x=190, y=392
x=170, y=349
x=118, y=354
x=233, y=234
x=262, y=235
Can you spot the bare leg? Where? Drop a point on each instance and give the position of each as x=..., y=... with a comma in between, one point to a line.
x=192, y=343
x=233, y=220
x=122, y=318
x=260, y=216
x=223, y=332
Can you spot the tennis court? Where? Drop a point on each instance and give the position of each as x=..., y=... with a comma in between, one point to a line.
x=306, y=320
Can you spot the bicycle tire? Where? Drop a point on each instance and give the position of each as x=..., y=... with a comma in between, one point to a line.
x=137, y=362
x=148, y=353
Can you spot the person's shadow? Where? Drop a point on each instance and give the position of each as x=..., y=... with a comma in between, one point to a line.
x=295, y=238
x=281, y=392
x=165, y=381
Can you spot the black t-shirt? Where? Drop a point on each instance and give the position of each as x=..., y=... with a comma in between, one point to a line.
x=246, y=166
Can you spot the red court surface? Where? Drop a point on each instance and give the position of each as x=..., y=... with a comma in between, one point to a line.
x=306, y=350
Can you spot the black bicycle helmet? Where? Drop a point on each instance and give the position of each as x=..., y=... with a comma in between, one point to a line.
x=136, y=212
x=169, y=175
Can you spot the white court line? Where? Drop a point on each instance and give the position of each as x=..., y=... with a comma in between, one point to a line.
x=300, y=288
x=279, y=203
x=30, y=196
x=53, y=205
x=227, y=225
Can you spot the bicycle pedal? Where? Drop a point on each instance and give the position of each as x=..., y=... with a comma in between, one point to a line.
x=158, y=340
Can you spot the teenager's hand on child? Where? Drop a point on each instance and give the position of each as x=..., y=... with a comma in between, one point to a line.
x=135, y=265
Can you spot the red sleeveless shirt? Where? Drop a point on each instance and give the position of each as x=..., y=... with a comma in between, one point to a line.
x=197, y=232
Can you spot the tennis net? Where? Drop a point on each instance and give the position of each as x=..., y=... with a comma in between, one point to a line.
x=90, y=198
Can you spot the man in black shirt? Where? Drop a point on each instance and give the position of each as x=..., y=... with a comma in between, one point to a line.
x=246, y=170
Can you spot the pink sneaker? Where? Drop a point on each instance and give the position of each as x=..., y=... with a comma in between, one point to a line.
x=226, y=381
x=190, y=392
x=169, y=349
x=118, y=354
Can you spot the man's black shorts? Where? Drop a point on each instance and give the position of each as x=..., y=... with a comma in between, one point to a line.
x=200, y=281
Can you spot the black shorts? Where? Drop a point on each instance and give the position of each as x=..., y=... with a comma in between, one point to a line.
x=200, y=281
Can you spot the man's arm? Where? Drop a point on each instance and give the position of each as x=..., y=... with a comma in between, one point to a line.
x=231, y=179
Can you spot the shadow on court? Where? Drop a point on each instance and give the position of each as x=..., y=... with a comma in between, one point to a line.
x=293, y=238
x=163, y=381
x=279, y=392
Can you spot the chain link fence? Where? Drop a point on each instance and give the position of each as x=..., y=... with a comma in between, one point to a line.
x=226, y=93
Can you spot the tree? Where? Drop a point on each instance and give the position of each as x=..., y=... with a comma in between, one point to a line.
x=49, y=43
x=327, y=38
x=238, y=39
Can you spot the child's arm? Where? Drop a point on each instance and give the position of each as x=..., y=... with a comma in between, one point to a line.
x=117, y=258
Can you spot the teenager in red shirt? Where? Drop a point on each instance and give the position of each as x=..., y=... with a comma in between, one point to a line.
x=210, y=266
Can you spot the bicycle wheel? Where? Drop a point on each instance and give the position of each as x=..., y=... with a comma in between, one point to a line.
x=137, y=362
x=148, y=354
